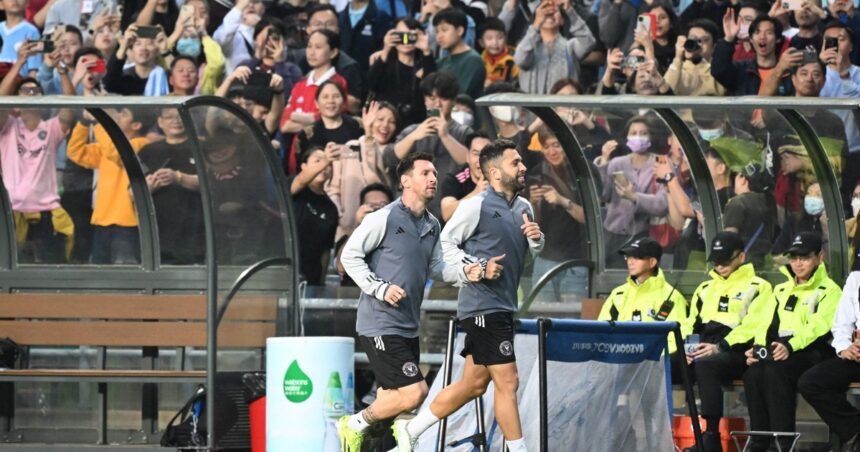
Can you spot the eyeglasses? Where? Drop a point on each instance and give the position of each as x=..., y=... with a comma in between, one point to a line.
x=29, y=90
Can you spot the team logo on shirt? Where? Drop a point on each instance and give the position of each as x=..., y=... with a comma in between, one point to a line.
x=410, y=369
x=506, y=348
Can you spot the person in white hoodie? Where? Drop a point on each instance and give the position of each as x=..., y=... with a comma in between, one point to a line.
x=236, y=34
x=824, y=385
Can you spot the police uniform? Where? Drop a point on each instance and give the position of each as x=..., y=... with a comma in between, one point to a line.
x=800, y=317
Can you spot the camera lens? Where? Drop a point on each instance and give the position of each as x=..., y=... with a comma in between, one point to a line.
x=692, y=45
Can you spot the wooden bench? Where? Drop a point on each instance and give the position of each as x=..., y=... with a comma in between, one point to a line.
x=127, y=320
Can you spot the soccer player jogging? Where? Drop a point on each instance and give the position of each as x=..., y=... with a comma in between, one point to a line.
x=390, y=255
x=492, y=228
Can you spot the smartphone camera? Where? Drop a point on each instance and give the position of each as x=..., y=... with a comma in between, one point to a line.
x=433, y=113
x=809, y=56
x=406, y=37
x=632, y=61
x=830, y=43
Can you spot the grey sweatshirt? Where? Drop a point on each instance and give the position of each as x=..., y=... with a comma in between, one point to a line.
x=392, y=246
x=482, y=227
x=541, y=64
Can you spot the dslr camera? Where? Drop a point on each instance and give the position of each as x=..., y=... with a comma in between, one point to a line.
x=692, y=45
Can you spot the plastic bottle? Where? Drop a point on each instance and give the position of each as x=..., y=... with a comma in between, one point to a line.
x=349, y=395
x=333, y=402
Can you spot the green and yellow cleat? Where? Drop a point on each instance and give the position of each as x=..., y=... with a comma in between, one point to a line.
x=350, y=440
x=405, y=443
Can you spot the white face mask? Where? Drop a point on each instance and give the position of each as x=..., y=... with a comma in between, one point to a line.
x=855, y=206
x=463, y=118
x=505, y=113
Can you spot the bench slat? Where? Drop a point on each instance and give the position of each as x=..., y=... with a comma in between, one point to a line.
x=129, y=306
x=135, y=334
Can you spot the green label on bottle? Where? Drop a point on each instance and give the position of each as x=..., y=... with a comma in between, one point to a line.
x=297, y=385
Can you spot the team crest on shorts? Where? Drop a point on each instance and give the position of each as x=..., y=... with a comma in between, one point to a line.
x=410, y=369
x=506, y=348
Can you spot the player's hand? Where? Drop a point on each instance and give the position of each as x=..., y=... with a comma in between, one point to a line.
x=494, y=268
x=473, y=272
x=530, y=229
x=780, y=351
x=394, y=294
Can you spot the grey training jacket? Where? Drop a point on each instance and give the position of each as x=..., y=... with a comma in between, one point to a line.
x=388, y=248
x=485, y=226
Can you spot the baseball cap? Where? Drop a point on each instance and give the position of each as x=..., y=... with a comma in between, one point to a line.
x=724, y=246
x=643, y=248
x=805, y=243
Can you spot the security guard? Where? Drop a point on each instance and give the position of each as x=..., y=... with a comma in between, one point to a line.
x=718, y=314
x=792, y=335
x=646, y=297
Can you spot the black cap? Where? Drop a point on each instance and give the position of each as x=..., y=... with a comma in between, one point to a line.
x=805, y=243
x=643, y=248
x=725, y=246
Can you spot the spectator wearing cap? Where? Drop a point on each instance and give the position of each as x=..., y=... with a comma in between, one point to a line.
x=363, y=27
x=324, y=17
x=396, y=71
x=646, y=296
x=792, y=334
x=752, y=212
x=719, y=311
x=237, y=35
x=824, y=385
x=690, y=71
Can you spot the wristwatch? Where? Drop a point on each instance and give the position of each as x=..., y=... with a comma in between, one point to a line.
x=666, y=179
x=483, y=262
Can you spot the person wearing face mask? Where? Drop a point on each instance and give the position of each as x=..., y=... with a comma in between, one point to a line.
x=507, y=121
x=690, y=71
x=851, y=227
x=190, y=39
x=811, y=218
x=629, y=189
x=464, y=110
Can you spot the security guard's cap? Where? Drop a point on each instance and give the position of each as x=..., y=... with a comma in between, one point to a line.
x=725, y=246
x=643, y=248
x=805, y=243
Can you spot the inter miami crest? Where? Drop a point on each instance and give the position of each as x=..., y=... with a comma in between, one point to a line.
x=506, y=348
x=410, y=369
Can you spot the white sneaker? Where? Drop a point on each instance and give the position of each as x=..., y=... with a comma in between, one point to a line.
x=405, y=443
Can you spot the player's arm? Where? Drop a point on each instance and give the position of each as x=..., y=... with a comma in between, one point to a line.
x=366, y=238
x=459, y=228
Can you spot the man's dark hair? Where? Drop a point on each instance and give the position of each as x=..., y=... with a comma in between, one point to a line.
x=819, y=63
x=476, y=134
x=705, y=24
x=84, y=51
x=500, y=87
x=761, y=6
x=465, y=99
x=76, y=31
x=276, y=23
x=408, y=162
x=452, y=16
x=147, y=117
x=440, y=83
x=179, y=58
x=29, y=80
x=375, y=187
x=561, y=83
x=492, y=153
x=491, y=23
x=320, y=8
x=712, y=153
x=836, y=24
x=306, y=154
x=777, y=29
x=709, y=119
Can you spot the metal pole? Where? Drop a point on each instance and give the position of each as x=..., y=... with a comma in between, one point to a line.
x=449, y=360
x=688, y=389
x=543, y=326
x=479, y=415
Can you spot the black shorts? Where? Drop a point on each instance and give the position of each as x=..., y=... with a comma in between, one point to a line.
x=393, y=360
x=489, y=338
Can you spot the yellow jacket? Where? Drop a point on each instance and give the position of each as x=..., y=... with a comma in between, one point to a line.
x=113, y=203
x=799, y=314
x=727, y=301
x=643, y=302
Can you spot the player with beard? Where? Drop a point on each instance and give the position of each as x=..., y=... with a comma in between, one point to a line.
x=493, y=228
x=390, y=256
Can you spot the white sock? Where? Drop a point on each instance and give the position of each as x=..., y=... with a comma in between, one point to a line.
x=357, y=422
x=516, y=445
x=419, y=424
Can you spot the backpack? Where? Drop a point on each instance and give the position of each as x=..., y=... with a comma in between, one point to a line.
x=188, y=427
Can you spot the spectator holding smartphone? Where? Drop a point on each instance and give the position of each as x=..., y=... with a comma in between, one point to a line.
x=15, y=31
x=67, y=40
x=135, y=80
x=361, y=164
x=263, y=99
x=270, y=55
x=333, y=126
x=239, y=28
x=190, y=39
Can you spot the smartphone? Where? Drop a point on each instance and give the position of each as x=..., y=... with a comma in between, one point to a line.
x=433, y=113
x=632, y=61
x=47, y=45
x=762, y=353
x=692, y=343
x=648, y=22
x=809, y=56
x=275, y=34
x=187, y=9
x=100, y=67
x=620, y=178
x=406, y=37
x=148, y=32
x=794, y=5
x=830, y=43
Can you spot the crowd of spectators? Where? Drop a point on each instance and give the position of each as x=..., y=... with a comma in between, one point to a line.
x=344, y=89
